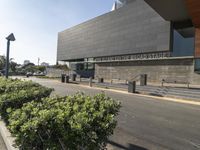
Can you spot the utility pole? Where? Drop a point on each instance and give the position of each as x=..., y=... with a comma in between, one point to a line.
x=11, y=37
x=38, y=61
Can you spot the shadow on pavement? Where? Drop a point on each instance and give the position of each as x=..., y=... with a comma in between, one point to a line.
x=155, y=94
x=130, y=147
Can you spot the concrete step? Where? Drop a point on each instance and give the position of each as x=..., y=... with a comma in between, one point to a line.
x=160, y=91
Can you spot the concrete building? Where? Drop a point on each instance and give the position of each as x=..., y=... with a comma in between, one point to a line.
x=154, y=37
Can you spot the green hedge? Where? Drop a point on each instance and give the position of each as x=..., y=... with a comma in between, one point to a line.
x=14, y=93
x=39, y=122
x=15, y=85
x=72, y=122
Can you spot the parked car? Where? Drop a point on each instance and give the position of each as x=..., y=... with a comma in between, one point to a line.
x=39, y=74
x=28, y=74
x=42, y=74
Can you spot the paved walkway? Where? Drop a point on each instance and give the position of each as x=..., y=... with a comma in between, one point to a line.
x=2, y=144
x=145, y=122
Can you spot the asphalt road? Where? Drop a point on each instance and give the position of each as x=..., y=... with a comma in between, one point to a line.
x=146, y=123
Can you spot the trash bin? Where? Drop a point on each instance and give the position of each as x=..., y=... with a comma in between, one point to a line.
x=143, y=79
x=66, y=79
x=132, y=86
x=63, y=78
x=100, y=80
x=73, y=77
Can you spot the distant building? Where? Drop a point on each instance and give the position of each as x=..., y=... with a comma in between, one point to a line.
x=26, y=62
x=44, y=64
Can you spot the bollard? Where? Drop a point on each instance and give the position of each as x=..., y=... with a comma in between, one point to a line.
x=79, y=76
x=100, y=80
x=66, y=79
x=63, y=78
x=132, y=86
x=90, y=82
x=143, y=79
x=73, y=77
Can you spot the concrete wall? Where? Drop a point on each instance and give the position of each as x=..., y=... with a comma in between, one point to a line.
x=52, y=72
x=155, y=69
x=134, y=28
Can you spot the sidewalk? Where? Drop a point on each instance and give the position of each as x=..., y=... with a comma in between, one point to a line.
x=178, y=91
x=7, y=139
x=2, y=144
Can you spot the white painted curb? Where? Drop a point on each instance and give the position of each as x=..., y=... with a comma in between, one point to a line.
x=6, y=135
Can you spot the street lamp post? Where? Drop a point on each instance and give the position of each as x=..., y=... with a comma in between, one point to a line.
x=11, y=37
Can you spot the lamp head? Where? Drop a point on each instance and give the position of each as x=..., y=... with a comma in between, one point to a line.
x=11, y=37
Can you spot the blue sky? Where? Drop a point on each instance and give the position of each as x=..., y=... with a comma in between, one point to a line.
x=36, y=24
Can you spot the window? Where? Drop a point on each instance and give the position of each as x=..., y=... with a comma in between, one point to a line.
x=183, y=42
x=197, y=65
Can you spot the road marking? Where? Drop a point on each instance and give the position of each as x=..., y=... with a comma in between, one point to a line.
x=184, y=101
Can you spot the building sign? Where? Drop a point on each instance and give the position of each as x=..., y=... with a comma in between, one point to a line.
x=144, y=56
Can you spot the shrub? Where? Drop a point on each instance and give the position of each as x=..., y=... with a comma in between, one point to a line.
x=47, y=77
x=72, y=122
x=14, y=93
x=11, y=85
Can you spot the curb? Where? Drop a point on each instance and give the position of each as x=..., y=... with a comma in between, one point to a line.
x=6, y=135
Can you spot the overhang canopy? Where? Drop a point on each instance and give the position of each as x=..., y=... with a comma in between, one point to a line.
x=177, y=10
x=170, y=10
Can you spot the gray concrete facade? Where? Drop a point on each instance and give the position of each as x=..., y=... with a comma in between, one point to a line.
x=180, y=69
x=134, y=28
x=52, y=72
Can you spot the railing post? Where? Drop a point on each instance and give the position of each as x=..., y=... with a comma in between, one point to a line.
x=73, y=77
x=63, y=78
x=111, y=81
x=143, y=79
